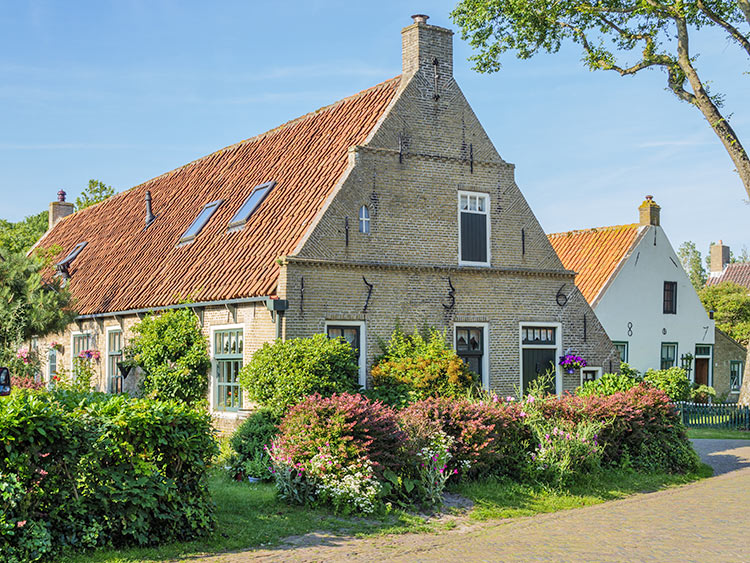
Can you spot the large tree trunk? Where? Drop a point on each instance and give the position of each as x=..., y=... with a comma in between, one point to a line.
x=703, y=101
x=745, y=389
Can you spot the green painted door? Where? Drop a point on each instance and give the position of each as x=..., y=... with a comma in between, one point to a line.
x=536, y=362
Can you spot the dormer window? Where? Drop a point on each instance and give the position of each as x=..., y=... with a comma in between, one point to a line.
x=364, y=220
x=200, y=222
x=251, y=203
x=474, y=229
x=63, y=265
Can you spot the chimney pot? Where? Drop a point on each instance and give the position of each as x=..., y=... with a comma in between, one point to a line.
x=719, y=258
x=61, y=196
x=420, y=18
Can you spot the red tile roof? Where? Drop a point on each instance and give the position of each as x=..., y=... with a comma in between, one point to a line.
x=124, y=267
x=738, y=273
x=594, y=254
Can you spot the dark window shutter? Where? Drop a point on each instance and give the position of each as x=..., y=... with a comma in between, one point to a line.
x=473, y=237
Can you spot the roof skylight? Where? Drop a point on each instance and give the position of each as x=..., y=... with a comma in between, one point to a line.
x=200, y=221
x=251, y=203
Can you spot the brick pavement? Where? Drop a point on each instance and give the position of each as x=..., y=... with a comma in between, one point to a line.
x=703, y=522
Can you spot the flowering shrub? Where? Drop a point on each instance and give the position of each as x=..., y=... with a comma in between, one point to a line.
x=489, y=438
x=414, y=367
x=433, y=467
x=572, y=362
x=89, y=355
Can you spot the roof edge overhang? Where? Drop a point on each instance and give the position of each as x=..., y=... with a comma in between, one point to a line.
x=267, y=299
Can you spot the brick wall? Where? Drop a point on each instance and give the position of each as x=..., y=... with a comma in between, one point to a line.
x=726, y=350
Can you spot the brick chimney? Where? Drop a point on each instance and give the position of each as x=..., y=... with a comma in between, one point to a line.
x=649, y=212
x=59, y=209
x=719, y=258
x=423, y=45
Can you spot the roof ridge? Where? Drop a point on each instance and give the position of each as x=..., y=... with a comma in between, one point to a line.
x=276, y=129
x=594, y=229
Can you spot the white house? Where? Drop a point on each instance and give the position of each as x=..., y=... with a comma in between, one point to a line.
x=633, y=279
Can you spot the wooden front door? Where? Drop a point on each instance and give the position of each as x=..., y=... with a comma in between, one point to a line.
x=536, y=362
x=701, y=371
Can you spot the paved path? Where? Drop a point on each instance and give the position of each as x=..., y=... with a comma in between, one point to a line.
x=703, y=522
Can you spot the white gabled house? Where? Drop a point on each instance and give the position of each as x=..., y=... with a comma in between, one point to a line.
x=633, y=279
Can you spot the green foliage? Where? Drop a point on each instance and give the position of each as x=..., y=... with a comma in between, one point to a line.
x=21, y=236
x=608, y=384
x=414, y=367
x=731, y=305
x=29, y=305
x=173, y=354
x=702, y=393
x=282, y=373
x=97, y=191
x=249, y=442
x=99, y=470
x=692, y=262
x=628, y=371
x=673, y=381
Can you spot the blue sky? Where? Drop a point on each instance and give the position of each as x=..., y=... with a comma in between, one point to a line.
x=123, y=91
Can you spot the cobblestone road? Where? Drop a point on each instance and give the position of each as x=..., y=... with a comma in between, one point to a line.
x=703, y=522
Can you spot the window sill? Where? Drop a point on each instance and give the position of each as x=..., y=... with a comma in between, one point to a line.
x=474, y=264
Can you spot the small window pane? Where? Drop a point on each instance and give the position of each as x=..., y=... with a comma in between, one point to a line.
x=251, y=203
x=464, y=203
x=364, y=220
x=481, y=204
x=200, y=221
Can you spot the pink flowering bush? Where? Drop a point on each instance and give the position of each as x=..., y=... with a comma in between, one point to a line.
x=488, y=437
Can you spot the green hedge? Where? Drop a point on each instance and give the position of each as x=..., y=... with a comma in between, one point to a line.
x=84, y=470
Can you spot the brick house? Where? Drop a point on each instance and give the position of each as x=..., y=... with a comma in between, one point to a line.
x=632, y=278
x=388, y=206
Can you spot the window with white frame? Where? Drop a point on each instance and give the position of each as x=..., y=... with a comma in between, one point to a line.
x=364, y=220
x=474, y=228
x=668, y=355
x=51, y=363
x=114, y=355
x=228, y=347
x=352, y=332
x=735, y=376
x=470, y=347
x=590, y=374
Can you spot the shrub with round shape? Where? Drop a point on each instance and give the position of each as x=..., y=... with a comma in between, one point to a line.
x=249, y=443
x=673, y=381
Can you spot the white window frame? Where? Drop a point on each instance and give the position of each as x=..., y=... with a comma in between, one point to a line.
x=49, y=365
x=462, y=262
x=108, y=330
x=558, y=346
x=213, y=383
x=73, y=334
x=597, y=370
x=362, y=345
x=364, y=220
x=485, y=346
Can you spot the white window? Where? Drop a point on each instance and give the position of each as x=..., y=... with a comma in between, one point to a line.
x=364, y=220
x=355, y=333
x=51, y=363
x=80, y=341
x=114, y=355
x=590, y=374
x=473, y=229
x=622, y=349
x=540, y=346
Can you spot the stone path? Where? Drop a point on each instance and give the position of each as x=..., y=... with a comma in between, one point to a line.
x=702, y=522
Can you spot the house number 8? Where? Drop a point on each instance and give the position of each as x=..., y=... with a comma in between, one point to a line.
x=630, y=329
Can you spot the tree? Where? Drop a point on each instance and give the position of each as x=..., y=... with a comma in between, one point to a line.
x=731, y=305
x=29, y=304
x=608, y=29
x=94, y=193
x=693, y=264
x=21, y=236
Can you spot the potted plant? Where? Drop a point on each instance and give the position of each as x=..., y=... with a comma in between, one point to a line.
x=571, y=362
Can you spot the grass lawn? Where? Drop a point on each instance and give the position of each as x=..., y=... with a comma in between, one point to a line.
x=251, y=516
x=718, y=433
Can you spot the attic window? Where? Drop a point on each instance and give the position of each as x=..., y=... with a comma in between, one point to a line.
x=251, y=203
x=63, y=265
x=200, y=221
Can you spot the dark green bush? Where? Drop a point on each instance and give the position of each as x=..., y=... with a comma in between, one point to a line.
x=281, y=374
x=99, y=470
x=414, y=367
x=607, y=384
x=673, y=381
x=173, y=353
x=249, y=442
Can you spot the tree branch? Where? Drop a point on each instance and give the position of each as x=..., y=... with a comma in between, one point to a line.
x=745, y=7
x=730, y=29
